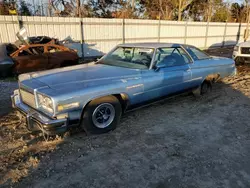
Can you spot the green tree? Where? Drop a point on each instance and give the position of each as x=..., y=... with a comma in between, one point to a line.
x=24, y=9
x=221, y=14
x=155, y=9
x=197, y=10
x=4, y=7
x=104, y=8
x=238, y=12
x=168, y=9
x=180, y=6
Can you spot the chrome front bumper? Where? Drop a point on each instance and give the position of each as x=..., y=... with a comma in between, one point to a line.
x=36, y=121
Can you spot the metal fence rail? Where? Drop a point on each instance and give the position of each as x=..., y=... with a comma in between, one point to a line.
x=94, y=36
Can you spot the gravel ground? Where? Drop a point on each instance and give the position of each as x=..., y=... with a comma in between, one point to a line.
x=182, y=142
x=6, y=89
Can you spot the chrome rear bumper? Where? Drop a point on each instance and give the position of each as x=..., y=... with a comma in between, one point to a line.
x=37, y=121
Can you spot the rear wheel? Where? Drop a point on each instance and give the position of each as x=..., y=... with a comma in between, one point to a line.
x=206, y=87
x=101, y=115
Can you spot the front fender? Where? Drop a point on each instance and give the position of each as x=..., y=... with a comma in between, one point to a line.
x=123, y=95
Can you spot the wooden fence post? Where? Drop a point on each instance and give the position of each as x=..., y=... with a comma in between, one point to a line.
x=207, y=27
x=185, y=37
x=81, y=37
x=224, y=35
x=123, y=30
x=159, y=30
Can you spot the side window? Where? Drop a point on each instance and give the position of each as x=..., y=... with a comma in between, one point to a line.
x=139, y=56
x=24, y=52
x=196, y=54
x=122, y=54
x=52, y=49
x=171, y=57
x=32, y=51
x=142, y=56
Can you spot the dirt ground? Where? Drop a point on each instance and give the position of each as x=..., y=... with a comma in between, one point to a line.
x=181, y=142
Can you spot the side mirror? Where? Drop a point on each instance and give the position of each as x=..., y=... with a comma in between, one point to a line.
x=160, y=66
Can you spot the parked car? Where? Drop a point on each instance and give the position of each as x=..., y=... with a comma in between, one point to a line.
x=241, y=53
x=35, y=57
x=6, y=63
x=95, y=95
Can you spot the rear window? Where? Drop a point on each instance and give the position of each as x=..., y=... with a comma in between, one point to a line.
x=196, y=53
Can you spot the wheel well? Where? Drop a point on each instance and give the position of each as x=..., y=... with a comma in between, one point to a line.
x=212, y=78
x=123, y=99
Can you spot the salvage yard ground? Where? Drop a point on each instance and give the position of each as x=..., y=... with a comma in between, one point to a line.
x=182, y=142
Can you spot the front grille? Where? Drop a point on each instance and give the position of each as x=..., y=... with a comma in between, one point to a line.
x=245, y=50
x=28, y=98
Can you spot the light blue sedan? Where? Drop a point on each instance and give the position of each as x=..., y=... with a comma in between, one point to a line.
x=95, y=95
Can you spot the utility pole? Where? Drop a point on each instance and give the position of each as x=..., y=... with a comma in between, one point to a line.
x=34, y=7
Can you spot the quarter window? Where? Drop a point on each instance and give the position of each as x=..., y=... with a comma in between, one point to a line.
x=171, y=57
x=196, y=53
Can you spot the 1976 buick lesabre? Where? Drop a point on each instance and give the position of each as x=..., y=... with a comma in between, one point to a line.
x=95, y=95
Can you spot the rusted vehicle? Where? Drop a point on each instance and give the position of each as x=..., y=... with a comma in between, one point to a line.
x=35, y=40
x=37, y=57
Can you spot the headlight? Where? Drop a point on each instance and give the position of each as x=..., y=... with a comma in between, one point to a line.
x=236, y=48
x=45, y=103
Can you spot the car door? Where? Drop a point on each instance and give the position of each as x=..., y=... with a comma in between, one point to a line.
x=174, y=75
x=201, y=66
x=60, y=57
x=30, y=59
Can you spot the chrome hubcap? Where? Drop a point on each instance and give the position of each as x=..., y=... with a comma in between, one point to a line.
x=103, y=115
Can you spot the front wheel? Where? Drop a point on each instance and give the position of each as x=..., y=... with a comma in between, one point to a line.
x=101, y=115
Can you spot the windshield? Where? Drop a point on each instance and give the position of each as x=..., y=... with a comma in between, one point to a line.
x=129, y=57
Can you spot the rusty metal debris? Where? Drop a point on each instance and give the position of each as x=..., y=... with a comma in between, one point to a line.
x=37, y=57
x=34, y=54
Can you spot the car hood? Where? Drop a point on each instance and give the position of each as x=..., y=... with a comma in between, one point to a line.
x=244, y=44
x=83, y=75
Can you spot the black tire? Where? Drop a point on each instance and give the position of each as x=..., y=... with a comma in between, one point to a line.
x=5, y=74
x=238, y=62
x=241, y=61
x=87, y=122
x=206, y=87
